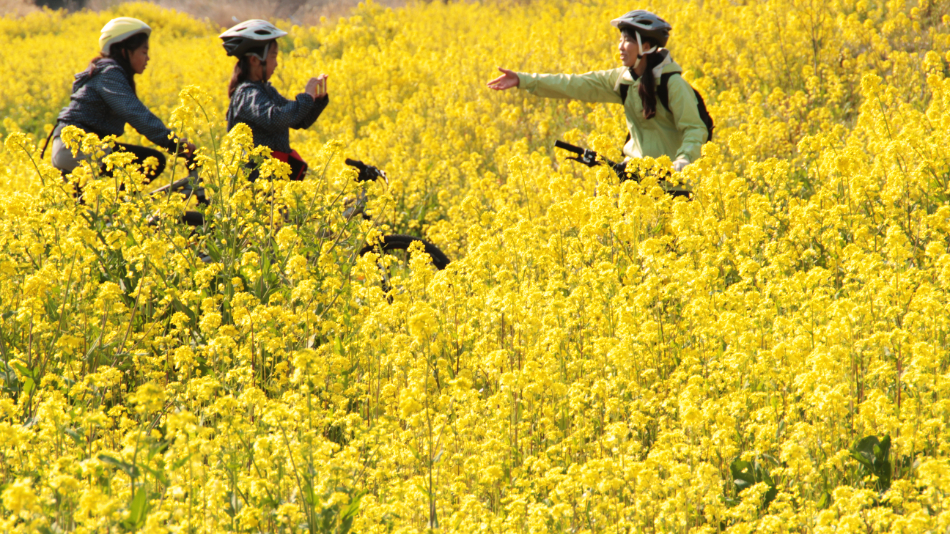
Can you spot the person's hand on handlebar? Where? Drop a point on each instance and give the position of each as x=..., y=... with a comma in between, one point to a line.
x=187, y=149
x=507, y=80
x=317, y=87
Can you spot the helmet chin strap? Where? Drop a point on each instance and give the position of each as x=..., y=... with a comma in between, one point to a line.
x=640, y=51
x=264, y=61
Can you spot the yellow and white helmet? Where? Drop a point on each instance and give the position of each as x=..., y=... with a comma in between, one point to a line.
x=120, y=29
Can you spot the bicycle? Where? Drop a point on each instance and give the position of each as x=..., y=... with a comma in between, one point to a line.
x=588, y=157
x=190, y=186
x=391, y=242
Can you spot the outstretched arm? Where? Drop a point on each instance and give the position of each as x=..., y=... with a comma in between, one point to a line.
x=597, y=86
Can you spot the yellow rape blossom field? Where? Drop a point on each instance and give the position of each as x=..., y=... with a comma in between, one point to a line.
x=770, y=356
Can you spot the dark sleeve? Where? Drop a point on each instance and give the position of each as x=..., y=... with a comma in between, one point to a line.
x=116, y=92
x=318, y=106
x=256, y=107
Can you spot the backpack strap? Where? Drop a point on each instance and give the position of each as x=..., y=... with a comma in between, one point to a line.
x=663, y=90
x=624, y=89
x=663, y=95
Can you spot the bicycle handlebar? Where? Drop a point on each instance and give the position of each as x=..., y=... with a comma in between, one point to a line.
x=368, y=173
x=592, y=159
x=587, y=156
x=569, y=147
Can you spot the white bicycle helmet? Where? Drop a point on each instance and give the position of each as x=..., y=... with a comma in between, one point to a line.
x=118, y=30
x=249, y=35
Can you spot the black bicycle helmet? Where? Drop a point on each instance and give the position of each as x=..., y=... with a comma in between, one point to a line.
x=648, y=26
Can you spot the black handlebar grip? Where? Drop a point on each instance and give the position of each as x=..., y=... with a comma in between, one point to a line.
x=368, y=173
x=569, y=147
x=355, y=163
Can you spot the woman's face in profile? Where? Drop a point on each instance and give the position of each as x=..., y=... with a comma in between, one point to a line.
x=138, y=58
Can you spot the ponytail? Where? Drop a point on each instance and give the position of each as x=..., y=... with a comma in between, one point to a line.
x=648, y=85
x=241, y=70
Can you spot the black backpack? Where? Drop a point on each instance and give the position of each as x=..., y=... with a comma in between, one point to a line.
x=663, y=95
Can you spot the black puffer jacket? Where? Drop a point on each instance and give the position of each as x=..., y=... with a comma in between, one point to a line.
x=103, y=101
x=271, y=116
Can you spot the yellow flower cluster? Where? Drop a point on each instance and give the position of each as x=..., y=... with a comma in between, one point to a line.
x=771, y=355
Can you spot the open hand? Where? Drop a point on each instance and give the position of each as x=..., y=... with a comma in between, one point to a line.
x=506, y=81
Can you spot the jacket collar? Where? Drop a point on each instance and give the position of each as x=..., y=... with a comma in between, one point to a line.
x=666, y=65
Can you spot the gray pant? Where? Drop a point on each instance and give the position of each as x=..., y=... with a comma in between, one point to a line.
x=63, y=158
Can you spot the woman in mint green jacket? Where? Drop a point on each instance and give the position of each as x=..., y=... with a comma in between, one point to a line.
x=655, y=130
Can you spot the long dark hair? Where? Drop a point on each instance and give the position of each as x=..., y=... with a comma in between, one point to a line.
x=648, y=84
x=242, y=69
x=120, y=53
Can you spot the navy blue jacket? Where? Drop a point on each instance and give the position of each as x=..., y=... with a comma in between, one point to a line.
x=271, y=116
x=103, y=102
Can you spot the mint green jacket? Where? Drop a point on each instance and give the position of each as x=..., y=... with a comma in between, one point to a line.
x=680, y=133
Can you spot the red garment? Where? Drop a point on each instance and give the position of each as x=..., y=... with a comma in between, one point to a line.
x=298, y=167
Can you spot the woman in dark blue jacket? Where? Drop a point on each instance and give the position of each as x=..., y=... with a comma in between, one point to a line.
x=104, y=99
x=255, y=102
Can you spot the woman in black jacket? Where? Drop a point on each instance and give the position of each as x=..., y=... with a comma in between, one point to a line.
x=104, y=100
x=255, y=102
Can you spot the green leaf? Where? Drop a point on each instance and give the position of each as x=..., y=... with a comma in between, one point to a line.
x=24, y=370
x=234, y=505
x=28, y=386
x=747, y=474
x=74, y=435
x=159, y=475
x=874, y=455
x=125, y=467
x=179, y=306
x=415, y=453
x=213, y=250
x=138, y=509
x=423, y=489
x=177, y=465
x=354, y=506
x=159, y=446
x=742, y=474
x=308, y=495
x=327, y=518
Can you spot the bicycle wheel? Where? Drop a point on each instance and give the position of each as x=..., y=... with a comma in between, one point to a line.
x=396, y=242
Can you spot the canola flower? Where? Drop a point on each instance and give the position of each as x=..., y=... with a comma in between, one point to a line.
x=770, y=356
